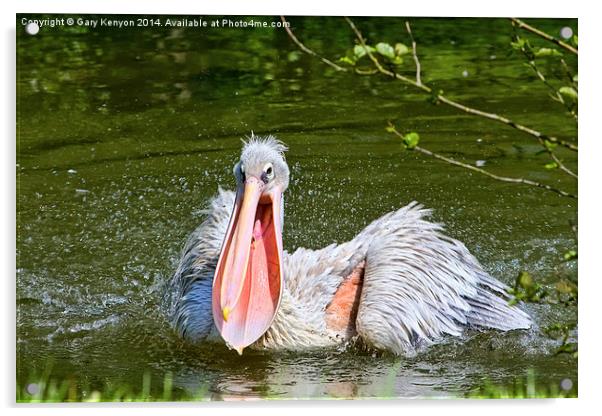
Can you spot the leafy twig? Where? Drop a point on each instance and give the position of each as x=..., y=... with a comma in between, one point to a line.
x=543, y=35
x=441, y=98
x=438, y=96
x=378, y=65
x=561, y=165
x=530, y=55
x=482, y=171
x=569, y=75
x=542, y=138
x=556, y=95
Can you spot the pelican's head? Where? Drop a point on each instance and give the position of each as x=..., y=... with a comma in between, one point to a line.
x=248, y=280
x=263, y=159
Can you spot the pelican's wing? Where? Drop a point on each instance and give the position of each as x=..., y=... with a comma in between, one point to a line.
x=190, y=288
x=420, y=284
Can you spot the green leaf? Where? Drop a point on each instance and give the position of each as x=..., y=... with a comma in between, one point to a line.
x=359, y=51
x=569, y=92
x=411, y=140
x=550, y=145
x=524, y=280
x=401, y=49
x=566, y=287
x=551, y=165
x=574, y=40
x=385, y=50
x=527, y=290
x=398, y=60
x=294, y=56
x=575, y=78
x=518, y=43
x=547, y=52
x=390, y=129
x=347, y=60
x=570, y=255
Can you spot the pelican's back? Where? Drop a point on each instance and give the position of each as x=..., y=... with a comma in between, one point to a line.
x=420, y=284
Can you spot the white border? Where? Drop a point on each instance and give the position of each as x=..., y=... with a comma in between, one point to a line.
x=465, y=8
x=589, y=211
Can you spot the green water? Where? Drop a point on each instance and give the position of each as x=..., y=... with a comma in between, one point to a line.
x=124, y=134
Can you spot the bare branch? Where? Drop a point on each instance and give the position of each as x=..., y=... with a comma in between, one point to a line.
x=449, y=160
x=307, y=50
x=543, y=35
x=507, y=121
x=414, y=54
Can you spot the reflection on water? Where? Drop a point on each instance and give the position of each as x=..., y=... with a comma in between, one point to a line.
x=123, y=135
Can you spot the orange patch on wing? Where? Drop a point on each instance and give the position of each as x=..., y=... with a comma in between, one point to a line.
x=342, y=309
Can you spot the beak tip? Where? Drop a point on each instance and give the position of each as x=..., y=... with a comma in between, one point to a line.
x=238, y=349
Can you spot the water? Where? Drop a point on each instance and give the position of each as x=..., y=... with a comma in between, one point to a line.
x=123, y=134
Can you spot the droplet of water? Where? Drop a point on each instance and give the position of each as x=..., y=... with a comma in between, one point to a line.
x=465, y=73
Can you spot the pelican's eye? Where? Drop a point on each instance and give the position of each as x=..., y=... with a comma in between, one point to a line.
x=242, y=171
x=268, y=172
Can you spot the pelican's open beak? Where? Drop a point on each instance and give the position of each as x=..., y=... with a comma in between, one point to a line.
x=248, y=280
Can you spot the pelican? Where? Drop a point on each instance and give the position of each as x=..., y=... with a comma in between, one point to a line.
x=398, y=286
